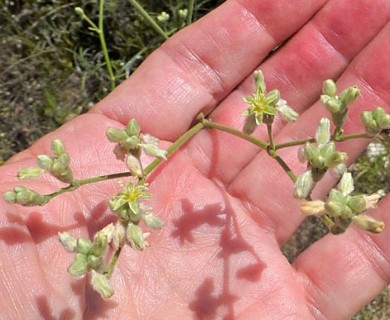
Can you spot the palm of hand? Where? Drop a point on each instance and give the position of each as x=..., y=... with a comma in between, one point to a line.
x=227, y=207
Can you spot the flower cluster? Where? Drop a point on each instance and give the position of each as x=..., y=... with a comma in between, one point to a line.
x=319, y=159
x=343, y=207
x=130, y=144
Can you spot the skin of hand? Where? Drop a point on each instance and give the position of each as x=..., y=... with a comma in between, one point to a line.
x=228, y=207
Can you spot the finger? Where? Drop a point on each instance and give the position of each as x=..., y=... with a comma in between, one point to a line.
x=321, y=50
x=270, y=190
x=342, y=273
x=200, y=65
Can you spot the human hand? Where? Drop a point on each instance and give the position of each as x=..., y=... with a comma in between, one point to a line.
x=227, y=206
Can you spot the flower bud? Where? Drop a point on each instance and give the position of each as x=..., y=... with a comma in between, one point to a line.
x=329, y=88
x=132, y=128
x=25, y=197
x=116, y=135
x=163, y=17
x=313, y=208
x=68, y=241
x=322, y=135
x=83, y=245
x=349, y=95
x=285, y=111
x=304, y=185
x=44, y=161
x=100, y=284
x=28, y=173
x=58, y=147
x=79, y=266
x=332, y=104
x=371, y=200
x=134, y=165
x=375, y=121
x=183, y=13
x=9, y=196
x=368, y=223
x=357, y=203
x=94, y=262
x=153, y=222
x=346, y=184
x=135, y=237
x=118, y=235
x=79, y=11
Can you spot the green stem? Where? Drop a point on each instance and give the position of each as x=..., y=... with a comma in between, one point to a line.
x=114, y=260
x=212, y=125
x=286, y=168
x=271, y=139
x=190, y=11
x=146, y=15
x=104, y=46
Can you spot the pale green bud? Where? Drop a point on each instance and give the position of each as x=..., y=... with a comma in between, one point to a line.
x=250, y=124
x=153, y=222
x=44, y=161
x=153, y=150
x=100, y=284
x=371, y=200
x=61, y=172
x=63, y=159
x=94, y=262
x=130, y=143
x=135, y=237
x=83, y=245
x=329, y=88
x=357, y=203
x=99, y=245
x=382, y=118
x=304, y=185
x=9, y=196
x=25, y=197
x=80, y=265
x=259, y=81
x=368, y=223
x=134, y=165
x=375, y=121
x=332, y=104
x=79, y=11
x=58, y=147
x=132, y=128
x=285, y=111
x=335, y=159
x=183, y=13
x=346, y=184
x=118, y=235
x=349, y=95
x=322, y=135
x=116, y=135
x=337, y=209
x=312, y=154
x=28, y=173
x=68, y=241
x=163, y=17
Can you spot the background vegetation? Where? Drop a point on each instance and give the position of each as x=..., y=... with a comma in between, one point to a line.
x=52, y=69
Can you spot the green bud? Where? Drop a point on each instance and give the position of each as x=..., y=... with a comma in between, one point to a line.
x=116, y=135
x=100, y=284
x=382, y=118
x=163, y=17
x=79, y=11
x=304, y=185
x=99, y=245
x=357, y=204
x=68, y=241
x=28, y=173
x=58, y=147
x=335, y=159
x=329, y=88
x=322, y=135
x=259, y=81
x=135, y=237
x=9, y=196
x=368, y=223
x=349, y=95
x=153, y=150
x=313, y=154
x=132, y=128
x=375, y=121
x=94, y=262
x=153, y=222
x=61, y=172
x=337, y=209
x=183, y=13
x=332, y=104
x=44, y=161
x=83, y=245
x=118, y=235
x=80, y=266
x=346, y=184
x=27, y=197
x=130, y=143
x=63, y=159
x=285, y=111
